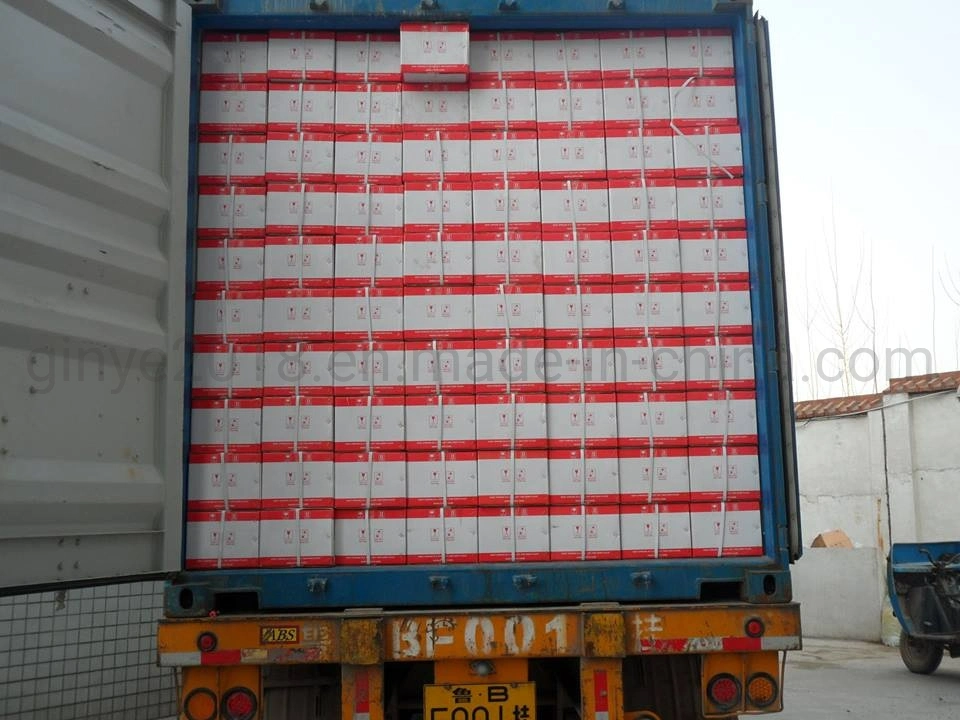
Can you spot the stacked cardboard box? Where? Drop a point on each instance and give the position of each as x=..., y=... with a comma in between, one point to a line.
x=452, y=310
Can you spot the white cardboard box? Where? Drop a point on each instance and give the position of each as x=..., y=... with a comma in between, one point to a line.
x=639, y=204
x=730, y=472
x=708, y=150
x=717, y=308
x=510, y=422
x=441, y=536
x=649, y=364
x=294, y=424
x=704, y=51
x=298, y=314
x=437, y=206
x=231, y=159
x=652, y=475
x=227, y=370
x=438, y=258
x=577, y=310
x=722, y=417
x=370, y=479
x=503, y=104
x=581, y=257
x=296, y=368
x=428, y=107
x=442, y=479
x=299, y=157
x=582, y=420
x=300, y=209
x=222, y=540
x=705, y=100
x=369, y=209
x=647, y=309
x=438, y=312
x=301, y=107
x=730, y=529
x=509, y=478
x=637, y=103
x=716, y=255
x=566, y=56
x=228, y=316
x=655, y=531
x=235, y=211
x=508, y=365
x=368, y=313
x=370, y=537
x=501, y=55
x=585, y=533
x=229, y=263
x=374, y=260
x=298, y=261
x=367, y=107
x=446, y=422
x=219, y=480
x=233, y=57
x=508, y=311
x=375, y=158
x=513, y=257
x=429, y=155
x=652, y=419
x=514, y=534
x=368, y=57
x=574, y=104
x=504, y=207
x=513, y=153
x=228, y=107
x=578, y=154
x=645, y=256
x=584, y=477
x=368, y=368
x=633, y=53
x=720, y=362
x=434, y=52
x=706, y=204
x=439, y=366
x=296, y=538
x=301, y=55
x=362, y=424
x=225, y=425
x=579, y=365
x=300, y=479
x=632, y=152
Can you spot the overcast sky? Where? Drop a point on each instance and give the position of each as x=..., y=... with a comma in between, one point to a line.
x=868, y=124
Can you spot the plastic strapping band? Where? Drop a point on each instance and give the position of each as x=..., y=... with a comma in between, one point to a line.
x=366, y=514
x=680, y=133
x=299, y=421
x=566, y=80
x=366, y=227
x=513, y=468
x=631, y=52
x=301, y=477
x=646, y=200
x=443, y=477
x=230, y=370
x=583, y=366
x=646, y=400
x=223, y=522
x=710, y=203
x=300, y=261
x=716, y=255
x=296, y=385
x=700, y=52
x=300, y=91
x=369, y=479
x=299, y=530
x=436, y=367
x=443, y=529
x=227, y=261
x=233, y=209
x=229, y=158
x=303, y=54
x=645, y=248
x=506, y=310
x=646, y=308
x=725, y=469
x=224, y=480
x=369, y=158
x=579, y=311
x=638, y=96
x=653, y=361
x=369, y=309
x=507, y=366
x=370, y=361
x=506, y=209
x=513, y=428
x=369, y=430
x=303, y=210
x=300, y=143
x=499, y=58
x=653, y=471
x=723, y=528
x=440, y=421
x=373, y=261
x=366, y=70
x=222, y=300
x=241, y=56
x=369, y=116
x=576, y=235
x=656, y=531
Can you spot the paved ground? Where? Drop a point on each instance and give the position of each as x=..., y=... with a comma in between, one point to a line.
x=855, y=681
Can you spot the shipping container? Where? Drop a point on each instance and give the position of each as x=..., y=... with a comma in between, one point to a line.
x=435, y=352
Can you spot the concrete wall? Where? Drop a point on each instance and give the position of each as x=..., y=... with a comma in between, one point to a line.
x=852, y=469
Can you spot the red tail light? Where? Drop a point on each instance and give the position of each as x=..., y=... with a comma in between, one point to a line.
x=754, y=627
x=207, y=642
x=723, y=690
x=238, y=704
x=200, y=704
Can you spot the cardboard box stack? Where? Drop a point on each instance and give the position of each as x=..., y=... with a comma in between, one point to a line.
x=470, y=297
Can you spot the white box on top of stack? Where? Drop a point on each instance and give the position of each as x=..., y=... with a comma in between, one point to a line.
x=510, y=478
x=697, y=52
x=441, y=536
x=233, y=107
x=368, y=57
x=294, y=107
x=231, y=56
x=731, y=529
x=370, y=537
x=234, y=211
x=585, y=532
x=654, y=475
x=633, y=53
x=501, y=55
x=295, y=157
x=442, y=479
x=584, y=476
x=231, y=159
x=434, y=52
x=297, y=368
x=297, y=479
x=220, y=481
x=514, y=534
x=370, y=480
x=296, y=538
x=566, y=56
x=298, y=261
x=301, y=55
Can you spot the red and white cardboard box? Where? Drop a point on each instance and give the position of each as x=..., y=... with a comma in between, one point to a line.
x=435, y=366
x=633, y=53
x=645, y=256
x=437, y=206
x=511, y=206
x=731, y=529
x=227, y=370
x=719, y=473
x=645, y=203
x=234, y=263
x=585, y=532
x=566, y=56
x=370, y=479
x=298, y=314
x=655, y=531
x=363, y=260
x=639, y=103
x=229, y=107
x=574, y=104
x=231, y=159
x=577, y=310
x=705, y=100
x=231, y=426
x=446, y=422
x=438, y=258
x=301, y=107
x=292, y=424
x=367, y=107
x=300, y=479
x=508, y=365
x=299, y=261
x=219, y=480
x=368, y=313
x=442, y=479
x=375, y=158
x=645, y=309
x=368, y=57
x=584, y=477
x=299, y=157
x=366, y=423
x=650, y=475
x=720, y=362
x=501, y=55
x=579, y=365
x=510, y=478
x=576, y=257
x=291, y=369
x=514, y=534
x=581, y=204
x=705, y=51
x=368, y=368
x=370, y=537
x=708, y=151
x=632, y=152
x=296, y=538
x=722, y=417
x=652, y=419
x=510, y=153
x=578, y=154
x=707, y=255
x=503, y=104
x=509, y=422
x=222, y=539
x=648, y=364
x=234, y=211
x=429, y=155
x=434, y=52
x=582, y=420
x=438, y=312
x=709, y=204
x=507, y=257
x=300, y=209
x=441, y=536
x=223, y=316
x=508, y=311
x=717, y=308
x=367, y=209
x=236, y=57
x=301, y=55
x=428, y=107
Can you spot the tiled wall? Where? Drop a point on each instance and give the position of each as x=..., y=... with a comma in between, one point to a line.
x=84, y=653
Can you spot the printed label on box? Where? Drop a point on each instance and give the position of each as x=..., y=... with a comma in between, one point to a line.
x=506, y=422
x=291, y=369
x=442, y=479
x=300, y=314
x=300, y=261
x=374, y=480
x=220, y=481
x=300, y=479
x=368, y=260
x=301, y=107
x=645, y=256
x=370, y=537
x=231, y=159
x=585, y=533
x=652, y=419
x=584, y=477
x=508, y=478
x=652, y=475
x=301, y=55
x=292, y=424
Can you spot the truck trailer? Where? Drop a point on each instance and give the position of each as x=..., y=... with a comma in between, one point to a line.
x=433, y=351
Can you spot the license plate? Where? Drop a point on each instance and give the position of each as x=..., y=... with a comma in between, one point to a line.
x=503, y=701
